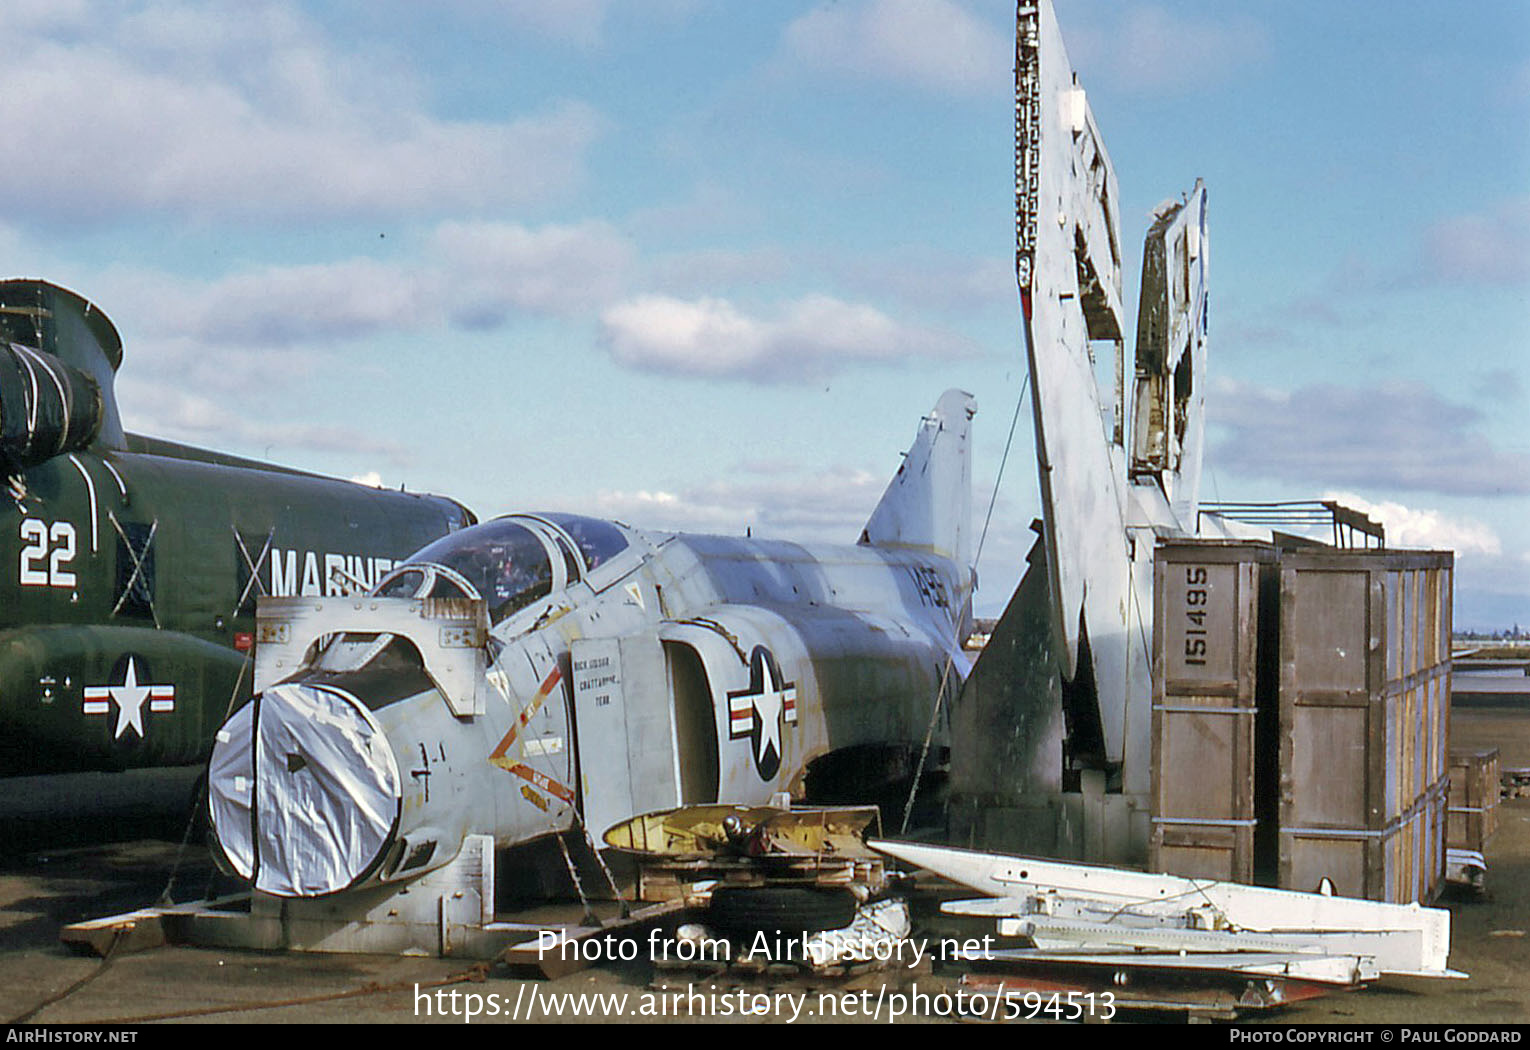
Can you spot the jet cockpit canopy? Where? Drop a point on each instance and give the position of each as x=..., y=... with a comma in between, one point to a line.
x=509, y=562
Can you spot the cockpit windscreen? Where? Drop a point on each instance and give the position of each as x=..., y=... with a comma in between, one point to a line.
x=505, y=563
x=599, y=541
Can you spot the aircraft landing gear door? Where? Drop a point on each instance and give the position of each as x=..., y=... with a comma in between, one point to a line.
x=626, y=737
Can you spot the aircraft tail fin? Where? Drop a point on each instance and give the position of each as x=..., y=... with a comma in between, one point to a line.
x=928, y=503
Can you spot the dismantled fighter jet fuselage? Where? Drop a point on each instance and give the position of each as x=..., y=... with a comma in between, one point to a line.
x=541, y=674
x=515, y=675
x=538, y=670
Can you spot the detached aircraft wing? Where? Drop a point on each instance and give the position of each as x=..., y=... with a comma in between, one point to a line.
x=1068, y=264
x=1103, y=493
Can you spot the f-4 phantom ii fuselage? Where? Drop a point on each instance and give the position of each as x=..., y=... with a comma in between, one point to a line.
x=536, y=670
x=130, y=566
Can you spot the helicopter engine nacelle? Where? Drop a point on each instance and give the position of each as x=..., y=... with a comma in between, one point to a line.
x=47, y=407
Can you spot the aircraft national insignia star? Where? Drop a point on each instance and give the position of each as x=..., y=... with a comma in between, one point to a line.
x=129, y=697
x=758, y=711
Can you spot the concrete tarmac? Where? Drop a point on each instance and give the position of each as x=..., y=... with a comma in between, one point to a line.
x=52, y=873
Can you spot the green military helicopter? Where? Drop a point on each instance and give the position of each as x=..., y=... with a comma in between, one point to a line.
x=130, y=566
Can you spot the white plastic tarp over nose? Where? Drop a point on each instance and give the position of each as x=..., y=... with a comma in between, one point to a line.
x=231, y=790
x=327, y=791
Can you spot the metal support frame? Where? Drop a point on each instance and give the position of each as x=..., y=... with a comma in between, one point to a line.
x=449, y=912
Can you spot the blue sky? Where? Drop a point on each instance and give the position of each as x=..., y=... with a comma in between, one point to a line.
x=704, y=264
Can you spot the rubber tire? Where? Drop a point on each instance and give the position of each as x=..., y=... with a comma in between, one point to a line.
x=789, y=910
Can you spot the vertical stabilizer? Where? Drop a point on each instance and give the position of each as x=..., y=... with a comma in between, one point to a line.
x=928, y=503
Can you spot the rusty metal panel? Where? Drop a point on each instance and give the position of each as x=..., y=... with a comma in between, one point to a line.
x=1206, y=634
x=1364, y=682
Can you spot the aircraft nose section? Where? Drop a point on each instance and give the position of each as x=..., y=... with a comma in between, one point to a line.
x=303, y=791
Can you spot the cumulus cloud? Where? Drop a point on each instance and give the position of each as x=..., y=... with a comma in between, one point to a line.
x=279, y=305
x=1154, y=50
x=936, y=281
x=1492, y=591
x=479, y=276
x=1425, y=528
x=247, y=111
x=491, y=269
x=828, y=506
x=1402, y=436
x=582, y=23
x=1487, y=247
x=706, y=208
x=19, y=16
x=171, y=412
x=810, y=337
x=1500, y=384
x=575, y=21
x=711, y=269
x=934, y=44
x=470, y=275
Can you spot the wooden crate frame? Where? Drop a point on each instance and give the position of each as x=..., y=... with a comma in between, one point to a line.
x=1364, y=705
x=1205, y=656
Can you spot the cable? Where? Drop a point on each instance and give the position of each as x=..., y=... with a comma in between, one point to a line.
x=945, y=675
x=106, y=960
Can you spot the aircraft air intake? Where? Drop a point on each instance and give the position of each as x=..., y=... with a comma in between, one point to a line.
x=46, y=407
x=303, y=791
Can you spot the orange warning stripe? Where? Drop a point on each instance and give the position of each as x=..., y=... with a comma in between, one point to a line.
x=540, y=779
x=548, y=685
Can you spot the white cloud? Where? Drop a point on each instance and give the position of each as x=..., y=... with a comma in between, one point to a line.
x=490, y=269
x=166, y=410
x=24, y=16
x=1488, y=247
x=1156, y=51
x=472, y=275
x=812, y=337
x=1492, y=591
x=1424, y=528
x=574, y=21
x=937, y=281
x=283, y=305
x=934, y=44
x=712, y=269
x=248, y=111
x=1400, y=436
x=1500, y=384
x=582, y=23
x=707, y=207
x=825, y=506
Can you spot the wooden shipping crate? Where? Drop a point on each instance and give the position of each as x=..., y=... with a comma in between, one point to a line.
x=1364, y=703
x=1403, y=862
x=1206, y=620
x=1473, y=806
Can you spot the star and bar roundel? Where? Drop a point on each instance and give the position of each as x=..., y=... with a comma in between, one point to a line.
x=131, y=693
x=758, y=712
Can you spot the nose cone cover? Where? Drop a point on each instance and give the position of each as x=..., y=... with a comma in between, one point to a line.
x=304, y=791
